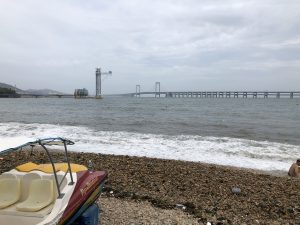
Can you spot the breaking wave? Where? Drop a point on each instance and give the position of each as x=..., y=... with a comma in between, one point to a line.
x=263, y=155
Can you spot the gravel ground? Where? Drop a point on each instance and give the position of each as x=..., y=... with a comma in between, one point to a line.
x=116, y=211
x=205, y=190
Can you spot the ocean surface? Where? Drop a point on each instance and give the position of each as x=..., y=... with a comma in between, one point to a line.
x=252, y=133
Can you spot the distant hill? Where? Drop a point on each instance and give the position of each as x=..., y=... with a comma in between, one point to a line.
x=31, y=91
x=3, y=85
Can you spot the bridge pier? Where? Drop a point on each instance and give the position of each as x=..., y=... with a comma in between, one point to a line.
x=266, y=95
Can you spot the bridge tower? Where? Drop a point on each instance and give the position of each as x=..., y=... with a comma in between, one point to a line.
x=157, y=89
x=98, y=81
x=138, y=90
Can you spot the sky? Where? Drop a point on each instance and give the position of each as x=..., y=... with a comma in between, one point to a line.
x=186, y=45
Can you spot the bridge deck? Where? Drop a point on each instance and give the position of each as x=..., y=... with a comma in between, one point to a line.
x=220, y=94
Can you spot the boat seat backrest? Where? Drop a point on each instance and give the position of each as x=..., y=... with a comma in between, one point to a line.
x=40, y=196
x=25, y=184
x=10, y=191
x=59, y=178
x=8, y=175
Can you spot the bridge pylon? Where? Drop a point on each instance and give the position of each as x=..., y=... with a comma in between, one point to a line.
x=157, y=89
x=138, y=90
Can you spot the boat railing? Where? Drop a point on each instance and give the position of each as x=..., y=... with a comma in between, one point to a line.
x=50, y=142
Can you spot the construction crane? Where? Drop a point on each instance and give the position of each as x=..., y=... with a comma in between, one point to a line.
x=98, y=81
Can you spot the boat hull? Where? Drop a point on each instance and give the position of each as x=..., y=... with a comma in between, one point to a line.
x=87, y=190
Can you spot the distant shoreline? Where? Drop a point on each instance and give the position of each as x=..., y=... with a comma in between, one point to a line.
x=10, y=96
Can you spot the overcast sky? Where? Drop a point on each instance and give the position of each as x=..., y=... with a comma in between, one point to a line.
x=186, y=45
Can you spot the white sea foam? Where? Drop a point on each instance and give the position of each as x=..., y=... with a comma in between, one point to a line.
x=225, y=151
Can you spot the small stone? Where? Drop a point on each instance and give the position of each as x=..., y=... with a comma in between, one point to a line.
x=180, y=206
x=290, y=209
x=236, y=190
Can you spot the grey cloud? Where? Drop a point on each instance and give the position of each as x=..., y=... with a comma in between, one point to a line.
x=141, y=41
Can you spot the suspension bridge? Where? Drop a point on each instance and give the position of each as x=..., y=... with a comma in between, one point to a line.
x=212, y=94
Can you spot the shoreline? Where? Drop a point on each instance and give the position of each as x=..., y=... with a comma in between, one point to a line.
x=205, y=189
x=276, y=173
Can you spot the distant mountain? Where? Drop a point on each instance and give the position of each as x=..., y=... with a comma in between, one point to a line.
x=3, y=85
x=32, y=91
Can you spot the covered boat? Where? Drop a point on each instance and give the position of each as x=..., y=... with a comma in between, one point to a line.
x=48, y=194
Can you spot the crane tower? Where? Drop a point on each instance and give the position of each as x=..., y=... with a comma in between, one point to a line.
x=98, y=81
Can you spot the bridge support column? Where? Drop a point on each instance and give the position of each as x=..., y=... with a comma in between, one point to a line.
x=266, y=95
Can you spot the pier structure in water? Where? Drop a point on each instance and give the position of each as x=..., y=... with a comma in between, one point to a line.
x=99, y=75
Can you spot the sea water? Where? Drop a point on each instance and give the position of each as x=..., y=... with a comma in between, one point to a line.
x=251, y=133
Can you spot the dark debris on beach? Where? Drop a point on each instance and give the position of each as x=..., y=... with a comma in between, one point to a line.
x=207, y=191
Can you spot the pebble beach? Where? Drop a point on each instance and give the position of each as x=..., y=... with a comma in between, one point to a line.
x=144, y=190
